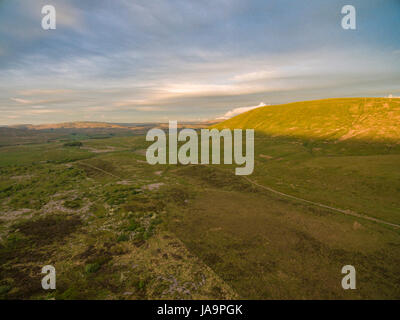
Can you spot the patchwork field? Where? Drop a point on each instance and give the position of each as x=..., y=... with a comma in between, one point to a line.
x=116, y=227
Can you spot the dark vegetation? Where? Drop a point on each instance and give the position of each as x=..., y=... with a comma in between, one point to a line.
x=73, y=144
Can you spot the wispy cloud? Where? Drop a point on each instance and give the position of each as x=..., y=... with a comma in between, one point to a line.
x=35, y=92
x=159, y=59
x=236, y=111
x=253, y=76
x=19, y=100
x=42, y=110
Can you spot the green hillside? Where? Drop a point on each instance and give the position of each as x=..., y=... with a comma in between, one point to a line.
x=339, y=152
x=345, y=118
x=115, y=227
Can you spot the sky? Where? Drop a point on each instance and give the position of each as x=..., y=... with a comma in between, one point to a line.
x=130, y=61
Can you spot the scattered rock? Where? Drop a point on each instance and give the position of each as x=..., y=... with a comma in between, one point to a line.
x=124, y=182
x=357, y=225
x=12, y=215
x=153, y=186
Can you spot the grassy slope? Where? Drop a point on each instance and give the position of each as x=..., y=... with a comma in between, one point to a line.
x=217, y=232
x=361, y=118
x=259, y=244
x=102, y=233
x=340, y=152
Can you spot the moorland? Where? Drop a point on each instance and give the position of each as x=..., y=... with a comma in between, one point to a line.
x=85, y=200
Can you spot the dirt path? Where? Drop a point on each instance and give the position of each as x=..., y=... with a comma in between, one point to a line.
x=93, y=167
x=354, y=214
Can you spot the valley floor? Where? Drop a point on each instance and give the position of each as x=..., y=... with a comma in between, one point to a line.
x=115, y=227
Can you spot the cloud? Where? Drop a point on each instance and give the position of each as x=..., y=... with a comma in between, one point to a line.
x=237, y=111
x=23, y=101
x=253, y=76
x=34, y=92
x=41, y=110
x=150, y=109
x=41, y=102
x=154, y=60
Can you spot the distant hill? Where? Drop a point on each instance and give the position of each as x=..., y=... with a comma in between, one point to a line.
x=337, y=119
x=107, y=125
x=80, y=130
x=70, y=125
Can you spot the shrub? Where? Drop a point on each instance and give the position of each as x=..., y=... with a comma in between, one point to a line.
x=122, y=237
x=4, y=289
x=73, y=204
x=73, y=144
x=92, y=267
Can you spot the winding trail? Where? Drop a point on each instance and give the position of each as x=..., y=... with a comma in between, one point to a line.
x=354, y=214
x=93, y=167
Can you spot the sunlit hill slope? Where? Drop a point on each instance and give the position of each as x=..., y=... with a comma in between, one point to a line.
x=376, y=119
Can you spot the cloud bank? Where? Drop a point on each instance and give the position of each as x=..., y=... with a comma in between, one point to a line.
x=146, y=61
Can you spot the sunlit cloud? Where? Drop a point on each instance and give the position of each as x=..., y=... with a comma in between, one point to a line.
x=154, y=60
x=253, y=76
x=23, y=101
x=40, y=111
x=35, y=92
x=236, y=111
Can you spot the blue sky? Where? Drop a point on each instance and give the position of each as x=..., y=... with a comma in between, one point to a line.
x=159, y=60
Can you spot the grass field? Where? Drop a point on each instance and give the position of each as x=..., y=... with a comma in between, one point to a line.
x=117, y=228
